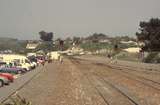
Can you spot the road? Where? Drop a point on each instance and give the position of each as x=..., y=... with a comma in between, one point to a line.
x=6, y=91
x=93, y=81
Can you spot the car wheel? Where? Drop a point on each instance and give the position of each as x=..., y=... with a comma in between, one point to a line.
x=7, y=83
x=1, y=83
x=11, y=81
x=25, y=69
x=19, y=72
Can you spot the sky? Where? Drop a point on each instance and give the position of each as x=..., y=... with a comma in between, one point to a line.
x=23, y=19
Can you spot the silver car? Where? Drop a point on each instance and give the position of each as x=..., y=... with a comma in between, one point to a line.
x=3, y=81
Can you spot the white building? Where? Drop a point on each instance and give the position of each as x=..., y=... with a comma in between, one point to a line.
x=32, y=46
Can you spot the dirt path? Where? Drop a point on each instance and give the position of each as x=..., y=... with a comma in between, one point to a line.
x=61, y=84
x=83, y=82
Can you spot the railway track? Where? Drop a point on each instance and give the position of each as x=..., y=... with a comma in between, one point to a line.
x=100, y=94
x=125, y=98
x=124, y=93
x=148, y=82
x=146, y=71
x=123, y=72
x=90, y=81
x=120, y=69
x=138, y=69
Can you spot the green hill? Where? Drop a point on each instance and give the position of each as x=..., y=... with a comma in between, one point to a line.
x=12, y=44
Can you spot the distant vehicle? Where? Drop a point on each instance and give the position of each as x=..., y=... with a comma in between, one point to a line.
x=70, y=53
x=3, y=81
x=31, y=54
x=8, y=76
x=81, y=53
x=54, y=55
x=33, y=61
x=41, y=60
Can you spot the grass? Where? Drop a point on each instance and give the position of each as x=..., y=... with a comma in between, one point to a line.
x=95, y=46
x=134, y=57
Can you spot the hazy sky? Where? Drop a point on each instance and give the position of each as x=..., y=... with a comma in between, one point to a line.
x=25, y=18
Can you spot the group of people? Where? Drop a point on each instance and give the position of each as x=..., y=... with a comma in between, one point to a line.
x=60, y=59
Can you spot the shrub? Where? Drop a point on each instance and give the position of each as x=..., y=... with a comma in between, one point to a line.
x=152, y=58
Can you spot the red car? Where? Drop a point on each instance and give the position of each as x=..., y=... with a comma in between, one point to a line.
x=8, y=76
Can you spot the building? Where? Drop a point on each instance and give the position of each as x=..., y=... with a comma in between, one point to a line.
x=31, y=45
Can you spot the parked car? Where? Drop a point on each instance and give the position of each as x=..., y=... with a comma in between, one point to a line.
x=3, y=81
x=20, y=59
x=8, y=76
x=19, y=69
x=11, y=70
x=25, y=66
x=2, y=63
x=41, y=60
x=33, y=59
x=33, y=65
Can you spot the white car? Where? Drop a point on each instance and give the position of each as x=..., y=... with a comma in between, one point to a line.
x=25, y=66
x=70, y=53
x=33, y=65
x=81, y=53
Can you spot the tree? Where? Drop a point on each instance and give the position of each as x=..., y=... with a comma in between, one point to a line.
x=96, y=37
x=46, y=36
x=150, y=34
x=68, y=40
x=47, y=44
x=77, y=40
